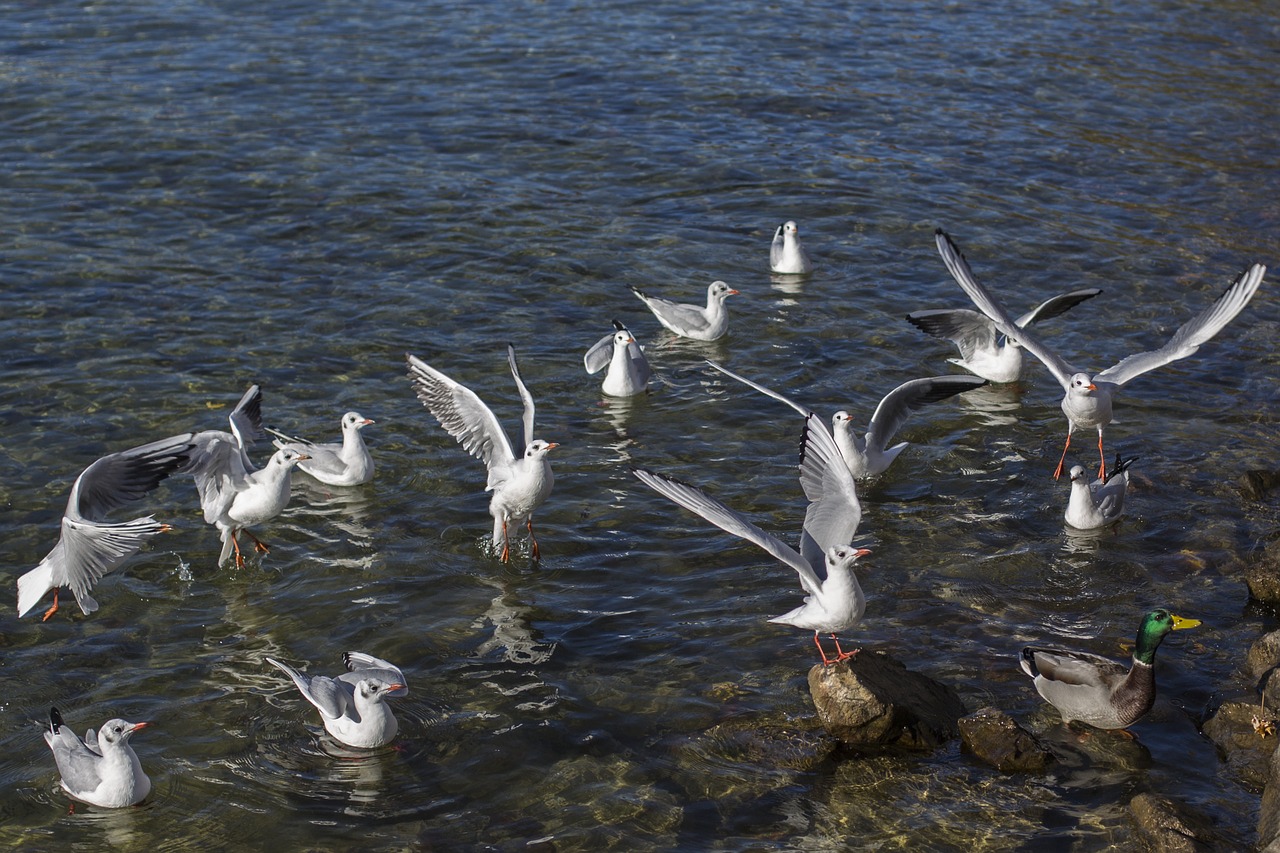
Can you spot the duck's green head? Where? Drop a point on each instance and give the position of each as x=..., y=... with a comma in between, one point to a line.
x=1155, y=626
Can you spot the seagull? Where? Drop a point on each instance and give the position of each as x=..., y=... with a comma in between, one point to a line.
x=693, y=321
x=345, y=464
x=1101, y=502
x=103, y=770
x=983, y=350
x=233, y=494
x=786, y=254
x=1087, y=400
x=831, y=605
x=628, y=372
x=868, y=456
x=1097, y=690
x=519, y=484
x=90, y=546
x=353, y=705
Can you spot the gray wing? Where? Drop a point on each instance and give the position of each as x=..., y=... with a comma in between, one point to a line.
x=597, y=358
x=763, y=390
x=987, y=304
x=775, y=249
x=283, y=440
x=525, y=397
x=329, y=696
x=120, y=478
x=1193, y=333
x=1072, y=667
x=77, y=764
x=898, y=405
x=730, y=521
x=639, y=363
x=834, y=511
x=970, y=331
x=362, y=665
x=246, y=423
x=465, y=417
x=218, y=467
x=1056, y=305
x=688, y=317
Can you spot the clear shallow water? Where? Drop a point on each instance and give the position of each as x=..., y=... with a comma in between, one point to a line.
x=201, y=196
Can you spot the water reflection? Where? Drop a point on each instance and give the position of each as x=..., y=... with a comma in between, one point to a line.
x=995, y=404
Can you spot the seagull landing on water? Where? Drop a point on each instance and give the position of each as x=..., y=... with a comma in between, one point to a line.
x=90, y=546
x=519, y=483
x=1087, y=399
x=233, y=494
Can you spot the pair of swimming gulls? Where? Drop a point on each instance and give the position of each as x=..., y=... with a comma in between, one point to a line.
x=103, y=770
x=234, y=495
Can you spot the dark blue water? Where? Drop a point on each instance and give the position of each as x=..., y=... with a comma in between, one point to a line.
x=198, y=196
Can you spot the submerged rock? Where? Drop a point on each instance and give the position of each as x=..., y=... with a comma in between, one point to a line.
x=1256, y=484
x=1262, y=575
x=1248, y=751
x=873, y=700
x=1162, y=825
x=996, y=738
x=1269, y=814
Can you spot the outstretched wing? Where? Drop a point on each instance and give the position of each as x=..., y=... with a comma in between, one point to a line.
x=730, y=521
x=525, y=397
x=834, y=512
x=899, y=403
x=776, y=247
x=970, y=331
x=1193, y=333
x=597, y=358
x=987, y=304
x=464, y=416
x=763, y=390
x=1055, y=305
x=361, y=665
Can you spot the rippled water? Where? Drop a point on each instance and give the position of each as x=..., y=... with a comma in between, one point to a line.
x=199, y=195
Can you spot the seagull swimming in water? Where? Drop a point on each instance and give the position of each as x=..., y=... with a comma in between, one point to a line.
x=102, y=770
x=1087, y=400
x=345, y=464
x=983, y=350
x=693, y=321
x=1097, y=504
x=90, y=546
x=353, y=705
x=628, y=372
x=519, y=483
x=869, y=456
x=786, y=253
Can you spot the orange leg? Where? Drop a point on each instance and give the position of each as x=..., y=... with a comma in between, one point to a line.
x=536, y=555
x=52, y=610
x=236, y=544
x=506, y=544
x=841, y=654
x=1102, y=467
x=258, y=544
x=1058, y=471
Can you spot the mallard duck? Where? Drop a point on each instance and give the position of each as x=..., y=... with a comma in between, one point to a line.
x=1097, y=690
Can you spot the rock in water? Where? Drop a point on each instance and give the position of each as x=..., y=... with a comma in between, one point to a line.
x=1163, y=826
x=873, y=700
x=996, y=738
